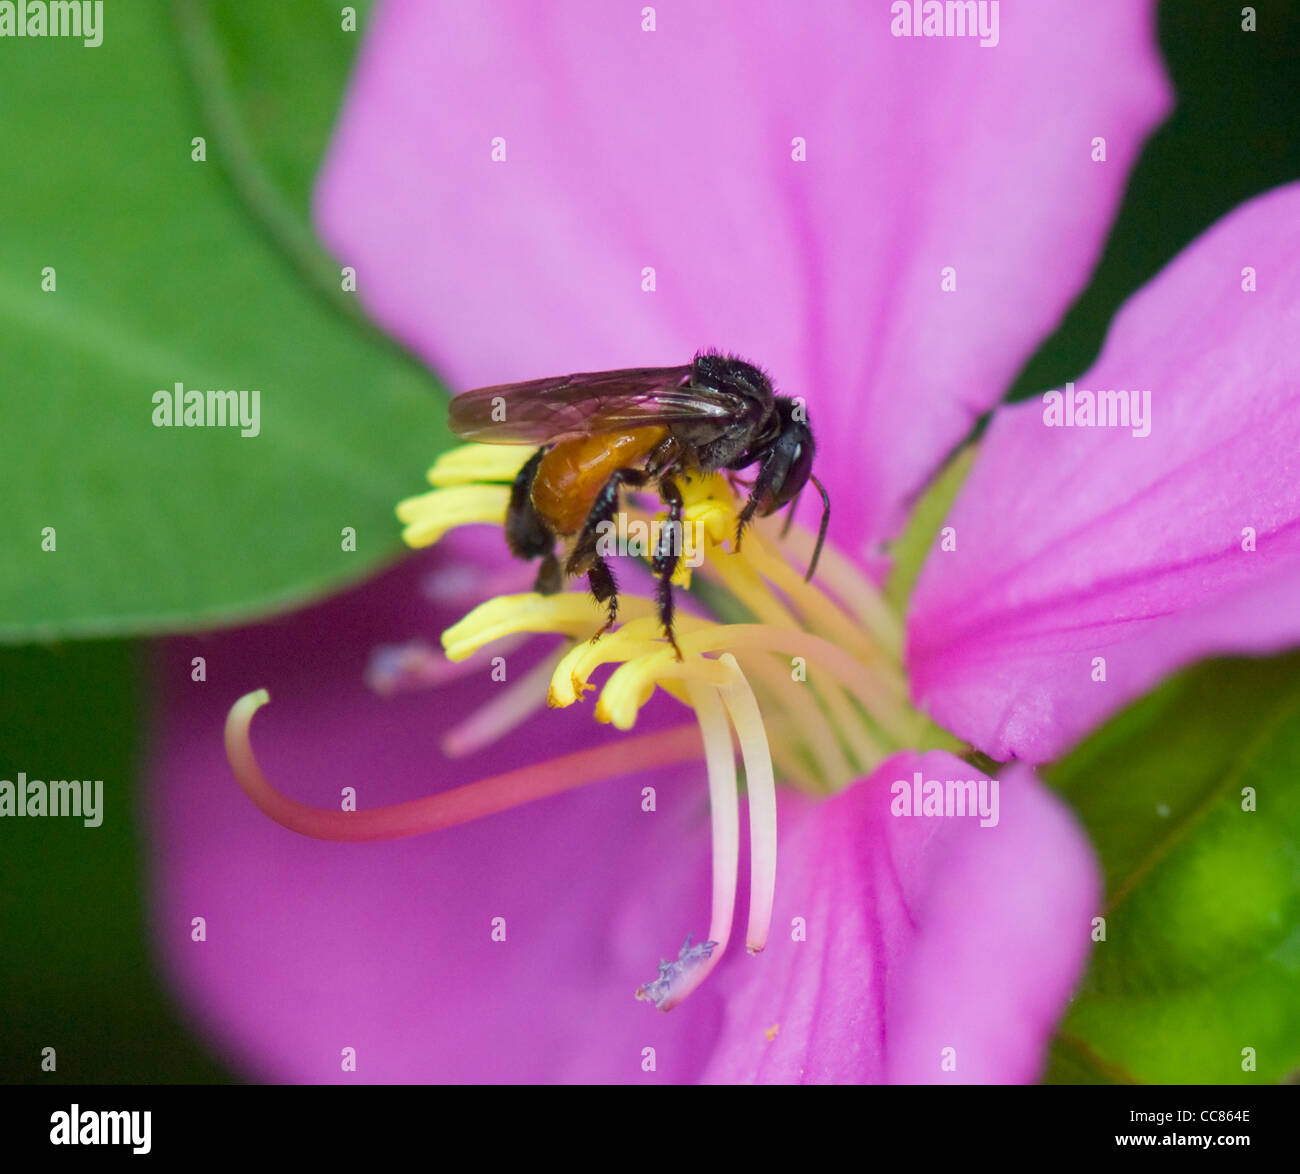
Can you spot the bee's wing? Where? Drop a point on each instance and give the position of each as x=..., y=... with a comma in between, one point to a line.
x=543, y=411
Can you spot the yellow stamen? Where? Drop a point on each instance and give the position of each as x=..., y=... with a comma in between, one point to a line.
x=864, y=601
x=742, y=708
x=803, y=722
x=430, y=515
x=569, y=613
x=634, y=683
x=468, y=463
x=634, y=639
x=829, y=662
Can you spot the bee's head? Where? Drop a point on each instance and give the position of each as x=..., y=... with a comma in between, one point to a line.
x=792, y=453
x=791, y=457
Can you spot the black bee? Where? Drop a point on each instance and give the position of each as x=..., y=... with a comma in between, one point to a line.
x=642, y=426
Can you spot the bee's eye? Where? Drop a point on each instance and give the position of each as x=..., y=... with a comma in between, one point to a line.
x=797, y=472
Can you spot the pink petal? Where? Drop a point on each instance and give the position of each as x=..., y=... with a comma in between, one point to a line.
x=672, y=150
x=923, y=934
x=1082, y=543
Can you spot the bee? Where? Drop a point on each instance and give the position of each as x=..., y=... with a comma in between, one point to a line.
x=642, y=427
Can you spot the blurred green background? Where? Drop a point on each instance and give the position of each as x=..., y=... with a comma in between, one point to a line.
x=168, y=268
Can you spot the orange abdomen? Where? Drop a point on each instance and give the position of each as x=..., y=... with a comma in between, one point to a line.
x=573, y=473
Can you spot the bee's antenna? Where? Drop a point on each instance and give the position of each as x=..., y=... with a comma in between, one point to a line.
x=821, y=530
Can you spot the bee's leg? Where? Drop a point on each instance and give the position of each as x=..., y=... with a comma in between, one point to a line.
x=586, y=554
x=527, y=534
x=605, y=588
x=745, y=516
x=550, y=579
x=769, y=472
x=668, y=556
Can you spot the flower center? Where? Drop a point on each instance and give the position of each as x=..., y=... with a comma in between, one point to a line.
x=807, y=677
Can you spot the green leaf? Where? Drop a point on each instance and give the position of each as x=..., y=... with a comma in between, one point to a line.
x=1201, y=958
x=164, y=275
x=275, y=74
x=269, y=81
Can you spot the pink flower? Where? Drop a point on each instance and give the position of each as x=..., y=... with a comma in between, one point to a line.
x=899, y=945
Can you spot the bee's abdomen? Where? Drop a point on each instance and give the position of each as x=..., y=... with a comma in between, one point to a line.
x=573, y=472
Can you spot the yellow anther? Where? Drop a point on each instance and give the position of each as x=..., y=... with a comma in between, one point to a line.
x=633, y=684
x=569, y=613
x=430, y=515
x=468, y=463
